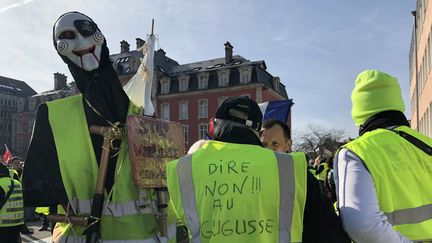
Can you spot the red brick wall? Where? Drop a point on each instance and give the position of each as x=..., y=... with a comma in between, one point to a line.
x=268, y=96
x=193, y=103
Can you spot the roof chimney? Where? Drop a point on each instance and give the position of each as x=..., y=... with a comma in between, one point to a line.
x=161, y=51
x=228, y=52
x=60, y=81
x=139, y=42
x=124, y=46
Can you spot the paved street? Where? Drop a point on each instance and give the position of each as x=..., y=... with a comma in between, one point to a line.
x=37, y=236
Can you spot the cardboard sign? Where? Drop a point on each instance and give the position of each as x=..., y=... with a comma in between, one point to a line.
x=152, y=144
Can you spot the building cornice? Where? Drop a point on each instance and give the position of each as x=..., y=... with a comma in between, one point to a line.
x=210, y=91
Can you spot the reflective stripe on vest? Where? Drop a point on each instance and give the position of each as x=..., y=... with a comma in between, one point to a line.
x=113, y=209
x=158, y=239
x=402, y=176
x=187, y=191
x=78, y=239
x=286, y=185
x=11, y=215
x=410, y=215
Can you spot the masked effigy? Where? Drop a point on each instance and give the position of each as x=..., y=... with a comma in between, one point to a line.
x=77, y=137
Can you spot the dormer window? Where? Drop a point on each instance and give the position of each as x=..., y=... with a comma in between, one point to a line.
x=183, y=83
x=276, y=83
x=245, y=74
x=203, y=80
x=223, y=76
x=165, y=85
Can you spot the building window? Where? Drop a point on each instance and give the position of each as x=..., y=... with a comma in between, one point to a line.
x=165, y=85
x=245, y=78
x=185, y=134
x=183, y=82
x=183, y=85
x=202, y=131
x=165, y=111
x=203, y=80
x=165, y=88
x=245, y=74
x=223, y=76
x=276, y=83
x=203, y=109
x=183, y=110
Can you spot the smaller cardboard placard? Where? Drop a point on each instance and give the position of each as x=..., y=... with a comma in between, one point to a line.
x=152, y=144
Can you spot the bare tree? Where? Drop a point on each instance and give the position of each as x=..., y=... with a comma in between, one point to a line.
x=316, y=140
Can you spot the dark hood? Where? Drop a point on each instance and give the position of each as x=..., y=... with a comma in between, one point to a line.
x=237, y=134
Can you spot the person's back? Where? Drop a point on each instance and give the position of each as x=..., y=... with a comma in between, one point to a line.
x=234, y=190
x=242, y=195
x=402, y=181
x=383, y=177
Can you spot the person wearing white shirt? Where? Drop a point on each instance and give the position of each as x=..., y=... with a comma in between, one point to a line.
x=383, y=182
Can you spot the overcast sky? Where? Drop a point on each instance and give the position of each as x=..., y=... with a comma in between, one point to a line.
x=317, y=48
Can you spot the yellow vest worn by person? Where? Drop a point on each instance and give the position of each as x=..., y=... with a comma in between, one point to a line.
x=402, y=175
x=227, y=192
x=122, y=218
x=322, y=175
x=14, y=174
x=12, y=212
x=42, y=210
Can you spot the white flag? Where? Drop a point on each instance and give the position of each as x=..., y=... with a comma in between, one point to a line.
x=139, y=87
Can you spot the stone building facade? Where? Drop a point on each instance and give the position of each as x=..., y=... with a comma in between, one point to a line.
x=421, y=69
x=23, y=121
x=191, y=93
x=13, y=94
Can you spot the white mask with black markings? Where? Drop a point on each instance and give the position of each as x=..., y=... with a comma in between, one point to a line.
x=78, y=38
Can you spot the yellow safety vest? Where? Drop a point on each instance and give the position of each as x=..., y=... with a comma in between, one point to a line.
x=122, y=219
x=42, y=210
x=228, y=192
x=12, y=212
x=322, y=175
x=402, y=175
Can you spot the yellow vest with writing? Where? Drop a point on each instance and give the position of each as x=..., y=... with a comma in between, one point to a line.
x=229, y=192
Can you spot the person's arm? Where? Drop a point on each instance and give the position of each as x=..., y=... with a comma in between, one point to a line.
x=358, y=203
x=42, y=183
x=320, y=223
